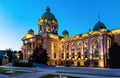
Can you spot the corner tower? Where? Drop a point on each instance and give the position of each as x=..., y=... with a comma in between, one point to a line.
x=47, y=23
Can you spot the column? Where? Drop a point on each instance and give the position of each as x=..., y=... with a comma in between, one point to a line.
x=75, y=55
x=88, y=48
x=82, y=50
x=104, y=49
x=26, y=53
x=64, y=51
x=70, y=50
x=101, y=53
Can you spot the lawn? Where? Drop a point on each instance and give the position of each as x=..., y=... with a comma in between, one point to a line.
x=3, y=71
x=56, y=76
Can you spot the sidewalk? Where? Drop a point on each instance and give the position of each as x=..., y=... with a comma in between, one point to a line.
x=4, y=76
x=40, y=74
x=31, y=75
x=41, y=71
x=86, y=76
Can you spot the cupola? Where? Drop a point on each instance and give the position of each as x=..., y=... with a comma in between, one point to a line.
x=48, y=23
x=98, y=26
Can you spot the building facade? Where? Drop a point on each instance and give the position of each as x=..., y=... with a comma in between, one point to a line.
x=87, y=49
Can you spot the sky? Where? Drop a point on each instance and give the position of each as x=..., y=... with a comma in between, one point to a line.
x=75, y=16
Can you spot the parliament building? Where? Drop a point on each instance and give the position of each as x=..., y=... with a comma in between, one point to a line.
x=86, y=49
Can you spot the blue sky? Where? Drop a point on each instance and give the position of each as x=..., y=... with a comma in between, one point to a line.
x=76, y=16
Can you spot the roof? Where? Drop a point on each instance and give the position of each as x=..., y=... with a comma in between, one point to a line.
x=99, y=25
x=48, y=15
x=27, y=36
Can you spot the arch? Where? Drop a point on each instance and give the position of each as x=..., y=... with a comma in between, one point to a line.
x=96, y=64
x=62, y=63
x=67, y=46
x=79, y=45
x=78, y=63
x=87, y=63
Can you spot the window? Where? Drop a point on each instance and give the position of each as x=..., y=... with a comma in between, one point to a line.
x=96, y=53
x=73, y=48
x=85, y=54
x=67, y=47
x=67, y=55
x=79, y=46
x=79, y=55
x=54, y=55
x=62, y=55
x=73, y=55
x=54, y=28
x=41, y=27
x=63, y=48
x=55, y=45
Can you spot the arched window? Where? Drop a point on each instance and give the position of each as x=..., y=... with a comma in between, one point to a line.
x=67, y=55
x=86, y=54
x=62, y=55
x=73, y=47
x=79, y=46
x=41, y=27
x=54, y=55
x=96, y=48
x=67, y=47
x=63, y=48
x=55, y=46
x=54, y=28
x=96, y=54
x=79, y=55
x=73, y=55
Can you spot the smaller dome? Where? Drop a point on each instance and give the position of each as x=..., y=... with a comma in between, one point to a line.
x=65, y=33
x=99, y=25
x=30, y=31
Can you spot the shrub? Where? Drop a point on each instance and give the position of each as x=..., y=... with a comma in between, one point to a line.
x=23, y=64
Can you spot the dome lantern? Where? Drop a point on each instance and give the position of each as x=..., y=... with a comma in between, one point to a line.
x=47, y=9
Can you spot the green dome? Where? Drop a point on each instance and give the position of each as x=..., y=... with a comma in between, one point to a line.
x=48, y=23
x=99, y=25
x=30, y=31
x=48, y=15
x=65, y=33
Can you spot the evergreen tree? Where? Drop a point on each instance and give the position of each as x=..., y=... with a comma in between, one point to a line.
x=114, y=56
x=40, y=55
x=20, y=55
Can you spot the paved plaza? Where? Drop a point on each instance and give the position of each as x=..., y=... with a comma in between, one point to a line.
x=42, y=71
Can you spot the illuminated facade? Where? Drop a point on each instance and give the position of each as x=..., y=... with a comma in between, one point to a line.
x=88, y=49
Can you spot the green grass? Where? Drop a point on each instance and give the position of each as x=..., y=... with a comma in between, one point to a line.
x=8, y=72
x=2, y=71
x=48, y=76
x=55, y=76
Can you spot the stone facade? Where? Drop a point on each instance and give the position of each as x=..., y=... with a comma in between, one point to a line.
x=88, y=49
